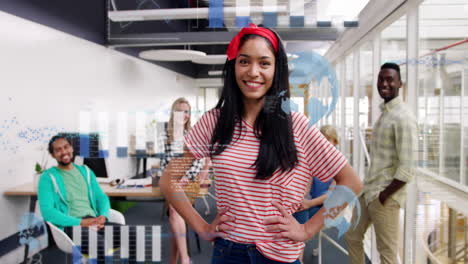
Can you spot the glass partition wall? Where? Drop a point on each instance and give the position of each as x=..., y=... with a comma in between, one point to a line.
x=348, y=86
x=443, y=57
x=440, y=28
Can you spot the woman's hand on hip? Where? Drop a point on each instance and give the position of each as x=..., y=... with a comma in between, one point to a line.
x=286, y=226
x=221, y=223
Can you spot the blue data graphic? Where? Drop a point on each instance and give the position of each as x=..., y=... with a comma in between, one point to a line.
x=337, y=200
x=30, y=228
x=309, y=66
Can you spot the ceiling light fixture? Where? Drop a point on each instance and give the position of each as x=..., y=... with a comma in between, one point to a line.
x=171, y=55
x=185, y=13
x=215, y=73
x=211, y=59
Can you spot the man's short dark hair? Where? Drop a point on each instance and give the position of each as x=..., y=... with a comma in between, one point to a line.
x=391, y=65
x=55, y=138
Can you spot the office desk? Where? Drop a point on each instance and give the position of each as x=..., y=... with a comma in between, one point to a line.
x=27, y=190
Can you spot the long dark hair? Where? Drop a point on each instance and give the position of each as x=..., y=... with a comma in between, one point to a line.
x=273, y=126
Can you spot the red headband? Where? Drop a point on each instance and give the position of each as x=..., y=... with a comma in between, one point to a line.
x=252, y=29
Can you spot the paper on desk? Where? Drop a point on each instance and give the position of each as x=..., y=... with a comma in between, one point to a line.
x=103, y=180
x=133, y=182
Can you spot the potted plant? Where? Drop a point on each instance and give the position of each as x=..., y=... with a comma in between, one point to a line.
x=39, y=168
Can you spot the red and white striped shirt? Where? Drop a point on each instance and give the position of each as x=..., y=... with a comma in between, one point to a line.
x=249, y=199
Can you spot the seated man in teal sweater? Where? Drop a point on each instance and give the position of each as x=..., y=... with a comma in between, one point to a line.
x=69, y=194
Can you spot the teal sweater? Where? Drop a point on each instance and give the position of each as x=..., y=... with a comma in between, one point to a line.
x=52, y=197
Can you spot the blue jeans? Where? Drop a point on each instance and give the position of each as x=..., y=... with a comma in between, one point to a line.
x=228, y=252
x=302, y=217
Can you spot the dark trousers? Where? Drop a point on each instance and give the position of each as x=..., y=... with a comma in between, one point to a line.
x=228, y=252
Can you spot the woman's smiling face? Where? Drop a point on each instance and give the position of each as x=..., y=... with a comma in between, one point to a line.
x=255, y=68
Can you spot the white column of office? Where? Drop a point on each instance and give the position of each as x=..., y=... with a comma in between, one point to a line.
x=326, y=99
x=334, y=121
x=376, y=61
x=358, y=152
x=464, y=84
x=322, y=121
x=343, y=104
x=328, y=96
x=412, y=101
x=376, y=57
x=204, y=100
x=356, y=128
x=334, y=114
x=425, y=153
x=439, y=84
x=197, y=104
x=314, y=91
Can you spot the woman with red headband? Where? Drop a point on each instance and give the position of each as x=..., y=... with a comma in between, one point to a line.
x=263, y=158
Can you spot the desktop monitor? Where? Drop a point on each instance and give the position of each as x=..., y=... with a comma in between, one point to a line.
x=97, y=165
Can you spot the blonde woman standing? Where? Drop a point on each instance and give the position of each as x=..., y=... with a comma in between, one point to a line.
x=190, y=182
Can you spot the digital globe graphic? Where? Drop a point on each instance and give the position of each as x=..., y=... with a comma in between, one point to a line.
x=310, y=66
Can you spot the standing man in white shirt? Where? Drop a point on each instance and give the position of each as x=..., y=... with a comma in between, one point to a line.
x=392, y=155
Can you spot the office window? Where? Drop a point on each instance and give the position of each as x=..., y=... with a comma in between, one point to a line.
x=103, y=129
x=200, y=105
x=393, y=46
x=85, y=122
x=211, y=97
x=122, y=131
x=206, y=100
x=140, y=130
x=326, y=98
x=349, y=108
x=366, y=83
x=337, y=112
x=442, y=93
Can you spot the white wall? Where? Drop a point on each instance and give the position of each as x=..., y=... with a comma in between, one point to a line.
x=46, y=78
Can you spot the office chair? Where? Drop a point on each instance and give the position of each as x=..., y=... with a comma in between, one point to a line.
x=64, y=243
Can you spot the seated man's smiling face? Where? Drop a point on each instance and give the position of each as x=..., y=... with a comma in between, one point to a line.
x=62, y=151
